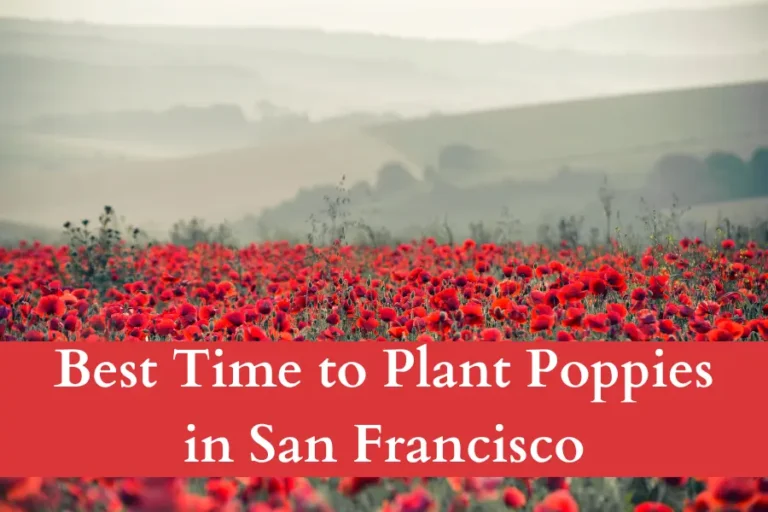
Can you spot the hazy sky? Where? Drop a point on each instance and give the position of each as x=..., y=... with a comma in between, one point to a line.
x=474, y=19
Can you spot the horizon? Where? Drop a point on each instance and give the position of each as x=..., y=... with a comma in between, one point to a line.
x=399, y=19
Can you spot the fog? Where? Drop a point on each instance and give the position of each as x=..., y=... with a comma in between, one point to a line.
x=418, y=117
x=453, y=19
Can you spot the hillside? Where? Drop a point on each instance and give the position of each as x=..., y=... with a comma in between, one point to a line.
x=614, y=134
x=226, y=184
x=723, y=30
x=12, y=232
x=23, y=151
x=40, y=85
x=621, y=136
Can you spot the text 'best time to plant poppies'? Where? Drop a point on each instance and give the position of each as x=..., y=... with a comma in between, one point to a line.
x=537, y=409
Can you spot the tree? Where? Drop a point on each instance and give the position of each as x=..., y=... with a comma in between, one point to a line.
x=731, y=174
x=393, y=177
x=457, y=157
x=455, y=160
x=193, y=232
x=759, y=165
x=683, y=176
x=360, y=191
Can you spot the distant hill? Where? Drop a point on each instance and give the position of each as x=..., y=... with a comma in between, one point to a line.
x=216, y=186
x=621, y=137
x=202, y=127
x=35, y=86
x=549, y=160
x=723, y=30
x=620, y=134
x=11, y=233
x=74, y=68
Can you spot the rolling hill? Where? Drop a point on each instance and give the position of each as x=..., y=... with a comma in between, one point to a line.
x=615, y=134
x=622, y=136
x=226, y=184
x=40, y=85
x=586, y=110
x=50, y=67
x=732, y=29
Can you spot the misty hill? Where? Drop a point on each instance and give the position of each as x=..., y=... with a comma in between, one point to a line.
x=550, y=160
x=35, y=86
x=107, y=140
x=620, y=137
x=620, y=134
x=720, y=185
x=180, y=126
x=74, y=68
x=217, y=185
x=723, y=30
x=13, y=232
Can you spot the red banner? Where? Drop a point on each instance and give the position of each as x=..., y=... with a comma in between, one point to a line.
x=394, y=409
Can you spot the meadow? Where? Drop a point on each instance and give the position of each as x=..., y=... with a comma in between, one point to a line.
x=106, y=283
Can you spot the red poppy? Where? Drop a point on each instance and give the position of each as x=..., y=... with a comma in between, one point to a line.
x=542, y=323
x=51, y=305
x=651, y=506
x=514, y=498
x=557, y=501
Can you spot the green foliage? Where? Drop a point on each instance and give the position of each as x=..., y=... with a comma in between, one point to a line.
x=195, y=231
x=759, y=167
x=393, y=177
x=456, y=159
x=721, y=176
x=101, y=257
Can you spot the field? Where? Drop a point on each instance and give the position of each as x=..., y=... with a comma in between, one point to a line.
x=101, y=287
x=535, y=142
x=355, y=494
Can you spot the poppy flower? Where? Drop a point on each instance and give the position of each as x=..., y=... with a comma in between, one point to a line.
x=733, y=491
x=350, y=486
x=573, y=292
x=491, y=335
x=514, y=498
x=51, y=305
x=367, y=321
x=473, y=314
x=542, y=323
x=557, y=501
x=650, y=506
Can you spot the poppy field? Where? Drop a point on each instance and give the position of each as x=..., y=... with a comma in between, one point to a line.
x=101, y=286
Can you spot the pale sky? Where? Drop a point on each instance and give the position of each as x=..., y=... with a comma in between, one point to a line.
x=467, y=19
